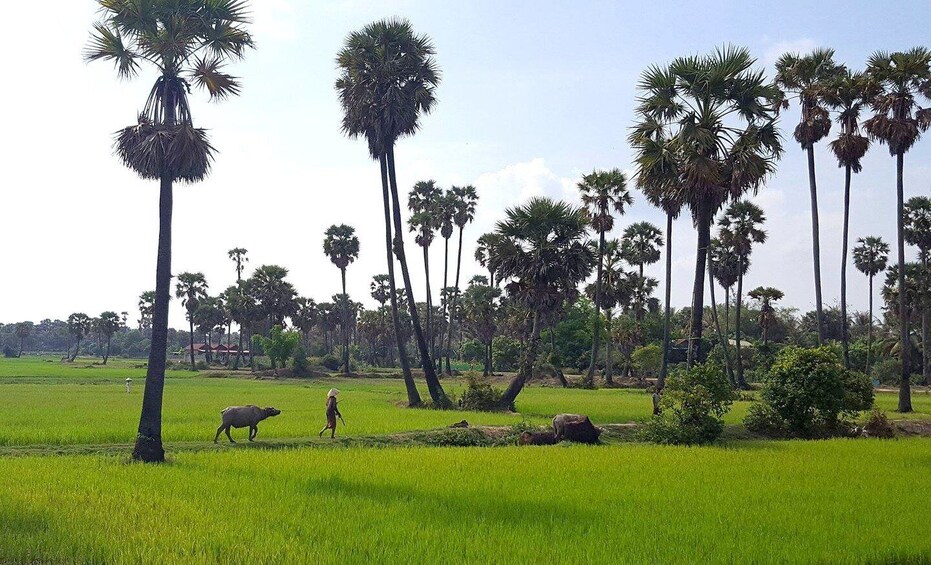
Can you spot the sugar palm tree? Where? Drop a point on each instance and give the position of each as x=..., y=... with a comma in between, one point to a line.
x=191, y=288
x=388, y=77
x=725, y=272
x=425, y=203
x=187, y=42
x=616, y=290
x=917, y=231
x=901, y=79
x=847, y=94
x=870, y=257
x=274, y=294
x=766, y=295
x=740, y=227
x=238, y=256
x=465, y=199
x=641, y=246
x=342, y=247
x=110, y=323
x=79, y=324
x=808, y=77
x=543, y=251
x=23, y=329
x=146, y=307
x=484, y=245
x=604, y=193
x=707, y=125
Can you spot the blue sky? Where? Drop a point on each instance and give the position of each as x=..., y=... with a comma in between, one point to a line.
x=534, y=94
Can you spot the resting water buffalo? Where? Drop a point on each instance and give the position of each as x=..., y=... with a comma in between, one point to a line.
x=244, y=417
x=575, y=427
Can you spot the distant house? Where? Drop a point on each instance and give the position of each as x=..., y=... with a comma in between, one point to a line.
x=218, y=349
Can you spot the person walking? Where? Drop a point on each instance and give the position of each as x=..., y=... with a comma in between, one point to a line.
x=332, y=412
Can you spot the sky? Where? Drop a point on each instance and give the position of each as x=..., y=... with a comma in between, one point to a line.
x=533, y=96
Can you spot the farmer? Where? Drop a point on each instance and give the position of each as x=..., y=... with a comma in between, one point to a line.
x=331, y=413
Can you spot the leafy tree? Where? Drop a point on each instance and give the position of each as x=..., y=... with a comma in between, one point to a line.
x=543, y=251
x=110, y=323
x=342, y=247
x=898, y=121
x=480, y=311
x=708, y=128
x=917, y=231
x=692, y=407
x=740, y=230
x=23, y=329
x=870, y=257
x=603, y=194
x=191, y=288
x=808, y=77
x=847, y=94
x=388, y=77
x=766, y=295
x=187, y=41
x=79, y=324
x=279, y=345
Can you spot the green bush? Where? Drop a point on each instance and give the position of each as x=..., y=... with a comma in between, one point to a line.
x=692, y=407
x=472, y=352
x=805, y=393
x=299, y=364
x=479, y=395
x=648, y=360
x=505, y=353
x=331, y=362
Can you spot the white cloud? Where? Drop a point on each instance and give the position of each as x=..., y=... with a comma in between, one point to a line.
x=777, y=49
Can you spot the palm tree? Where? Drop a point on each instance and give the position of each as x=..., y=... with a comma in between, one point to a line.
x=388, y=79
x=641, y=246
x=146, y=309
x=484, y=245
x=191, y=288
x=465, y=199
x=305, y=316
x=807, y=77
x=187, y=41
x=275, y=295
x=870, y=257
x=603, y=192
x=917, y=231
x=110, y=323
x=766, y=295
x=616, y=289
x=480, y=310
x=23, y=329
x=425, y=202
x=79, y=324
x=897, y=122
x=740, y=228
x=847, y=94
x=707, y=133
x=342, y=247
x=727, y=266
x=542, y=249
x=238, y=256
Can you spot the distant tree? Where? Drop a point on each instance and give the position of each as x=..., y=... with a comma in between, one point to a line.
x=870, y=257
x=191, y=288
x=766, y=295
x=465, y=199
x=110, y=323
x=342, y=247
x=616, y=290
x=483, y=255
x=480, y=312
x=146, y=307
x=188, y=43
x=274, y=295
x=23, y=329
x=641, y=246
x=238, y=256
x=208, y=317
x=279, y=346
x=305, y=316
x=79, y=324
x=425, y=204
x=917, y=231
x=898, y=121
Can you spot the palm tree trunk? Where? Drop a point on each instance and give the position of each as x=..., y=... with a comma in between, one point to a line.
x=717, y=326
x=148, y=446
x=905, y=392
x=455, y=299
x=107, y=354
x=667, y=314
x=77, y=348
x=437, y=394
x=191, y=326
x=23, y=339
x=698, y=289
x=925, y=354
x=345, y=324
x=740, y=362
x=638, y=315
x=429, y=326
x=727, y=310
x=609, y=378
x=239, y=351
x=869, y=338
x=845, y=337
x=526, y=366
x=487, y=369
x=413, y=396
x=816, y=241
x=446, y=311
x=596, y=321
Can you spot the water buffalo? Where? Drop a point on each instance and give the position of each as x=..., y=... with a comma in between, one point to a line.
x=244, y=417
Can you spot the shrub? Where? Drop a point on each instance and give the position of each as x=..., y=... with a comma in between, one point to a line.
x=692, y=407
x=805, y=393
x=479, y=395
x=505, y=353
x=9, y=352
x=878, y=425
x=331, y=362
x=648, y=360
x=299, y=364
x=472, y=352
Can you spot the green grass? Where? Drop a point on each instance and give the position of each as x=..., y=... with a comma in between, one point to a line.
x=41, y=368
x=836, y=501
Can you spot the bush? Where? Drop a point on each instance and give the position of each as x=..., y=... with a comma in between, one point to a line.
x=878, y=425
x=479, y=395
x=505, y=353
x=9, y=352
x=299, y=364
x=805, y=393
x=331, y=362
x=648, y=360
x=472, y=352
x=692, y=407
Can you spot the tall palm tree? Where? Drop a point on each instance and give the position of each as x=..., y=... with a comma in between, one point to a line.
x=847, y=95
x=465, y=199
x=807, y=77
x=707, y=126
x=484, y=245
x=740, y=227
x=23, y=329
x=917, y=232
x=79, y=324
x=274, y=294
x=543, y=250
x=342, y=247
x=766, y=295
x=616, y=290
x=900, y=78
x=388, y=77
x=870, y=257
x=146, y=307
x=186, y=41
x=641, y=246
x=110, y=323
x=191, y=288
x=728, y=267
x=238, y=256
x=425, y=203
x=603, y=194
